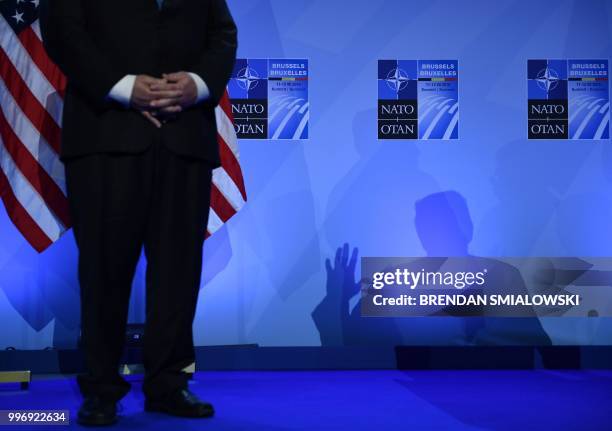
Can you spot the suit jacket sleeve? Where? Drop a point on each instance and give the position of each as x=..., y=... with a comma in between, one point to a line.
x=217, y=61
x=71, y=47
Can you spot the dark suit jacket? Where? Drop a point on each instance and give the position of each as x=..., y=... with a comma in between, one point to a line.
x=97, y=42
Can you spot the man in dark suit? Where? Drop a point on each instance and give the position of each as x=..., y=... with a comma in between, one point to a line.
x=139, y=145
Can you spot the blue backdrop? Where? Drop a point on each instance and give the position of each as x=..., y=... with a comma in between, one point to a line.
x=265, y=272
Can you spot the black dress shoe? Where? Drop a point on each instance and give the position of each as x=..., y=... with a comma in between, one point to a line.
x=97, y=412
x=181, y=403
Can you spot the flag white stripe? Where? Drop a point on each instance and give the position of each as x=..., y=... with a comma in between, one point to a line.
x=55, y=103
x=226, y=129
x=214, y=222
x=30, y=138
x=27, y=196
x=228, y=188
x=36, y=29
x=36, y=81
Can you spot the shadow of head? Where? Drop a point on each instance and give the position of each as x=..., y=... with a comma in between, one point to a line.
x=443, y=224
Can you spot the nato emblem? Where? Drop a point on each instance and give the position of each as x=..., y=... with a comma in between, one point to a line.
x=568, y=99
x=418, y=99
x=269, y=98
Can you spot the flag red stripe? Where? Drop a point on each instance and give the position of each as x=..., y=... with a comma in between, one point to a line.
x=30, y=168
x=228, y=158
x=34, y=46
x=29, y=104
x=221, y=206
x=21, y=219
x=226, y=105
x=231, y=165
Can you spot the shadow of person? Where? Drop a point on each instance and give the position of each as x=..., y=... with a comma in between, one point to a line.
x=371, y=202
x=445, y=228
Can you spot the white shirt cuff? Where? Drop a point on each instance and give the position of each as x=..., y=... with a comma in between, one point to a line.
x=203, y=91
x=122, y=90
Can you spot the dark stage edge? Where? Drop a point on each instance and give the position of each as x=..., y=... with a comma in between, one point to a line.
x=362, y=400
x=252, y=357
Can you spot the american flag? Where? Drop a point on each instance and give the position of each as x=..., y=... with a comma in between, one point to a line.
x=32, y=184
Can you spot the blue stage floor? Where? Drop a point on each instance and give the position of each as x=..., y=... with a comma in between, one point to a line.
x=364, y=400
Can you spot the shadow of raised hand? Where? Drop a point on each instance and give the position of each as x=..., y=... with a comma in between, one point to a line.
x=333, y=310
x=341, y=276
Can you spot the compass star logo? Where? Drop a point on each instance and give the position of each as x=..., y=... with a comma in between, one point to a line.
x=247, y=78
x=397, y=79
x=547, y=79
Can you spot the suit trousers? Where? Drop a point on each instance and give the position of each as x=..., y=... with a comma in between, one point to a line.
x=119, y=204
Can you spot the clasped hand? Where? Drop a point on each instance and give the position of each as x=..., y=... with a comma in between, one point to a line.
x=161, y=99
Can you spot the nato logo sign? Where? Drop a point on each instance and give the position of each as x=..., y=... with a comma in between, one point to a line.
x=418, y=99
x=269, y=98
x=568, y=99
